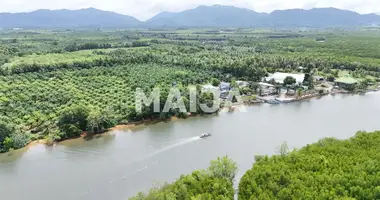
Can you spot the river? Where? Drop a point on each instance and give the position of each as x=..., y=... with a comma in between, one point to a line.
x=123, y=162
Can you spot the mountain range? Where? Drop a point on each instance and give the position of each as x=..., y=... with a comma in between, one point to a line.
x=89, y=17
x=202, y=16
x=208, y=16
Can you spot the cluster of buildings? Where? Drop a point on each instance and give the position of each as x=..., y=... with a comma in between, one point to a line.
x=343, y=82
x=268, y=85
x=225, y=88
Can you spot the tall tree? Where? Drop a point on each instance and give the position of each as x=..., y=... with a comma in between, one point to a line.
x=73, y=120
x=223, y=168
x=289, y=80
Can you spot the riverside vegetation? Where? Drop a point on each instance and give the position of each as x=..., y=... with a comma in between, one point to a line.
x=214, y=183
x=57, y=84
x=328, y=169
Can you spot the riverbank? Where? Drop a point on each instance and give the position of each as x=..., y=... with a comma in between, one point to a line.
x=278, y=99
x=143, y=122
x=147, y=122
x=131, y=125
x=85, y=136
x=134, y=159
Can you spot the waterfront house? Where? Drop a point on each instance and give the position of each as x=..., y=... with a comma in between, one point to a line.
x=279, y=77
x=266, y=85
x=209, y=87
x=224, y=89
x=225, y=86
x=267, y=89
x=346, y=81
x=242, y=84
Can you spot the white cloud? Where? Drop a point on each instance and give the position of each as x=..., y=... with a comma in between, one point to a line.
x=144, y=9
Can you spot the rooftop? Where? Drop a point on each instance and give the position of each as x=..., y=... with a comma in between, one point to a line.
x=279, y=77
x=242, y=83
x=266, y=84
x=209, y=87
x=225, y=86
x=346, y=80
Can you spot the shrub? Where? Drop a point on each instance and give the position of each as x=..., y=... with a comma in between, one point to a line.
x=5, y=130
x=98, y=121
x=20, y=140
x=214, y=183
x=328, y=169
x=73, y=121
x=215, y=82
x=7, y=144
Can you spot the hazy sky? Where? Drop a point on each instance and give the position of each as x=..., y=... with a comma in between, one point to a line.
x=144, y=9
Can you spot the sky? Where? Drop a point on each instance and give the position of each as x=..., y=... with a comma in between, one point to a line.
x=144, y=9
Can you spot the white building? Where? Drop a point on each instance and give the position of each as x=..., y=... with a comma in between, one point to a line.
x=266, y=85
x=242, y=83
x=280, y=77
x=210, y=87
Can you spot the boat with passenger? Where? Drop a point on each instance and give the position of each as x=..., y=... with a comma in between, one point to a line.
x=205, y=135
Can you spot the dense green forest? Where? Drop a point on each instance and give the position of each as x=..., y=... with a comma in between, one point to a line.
x=328, y=169
x=57, y=84
x=214, y=183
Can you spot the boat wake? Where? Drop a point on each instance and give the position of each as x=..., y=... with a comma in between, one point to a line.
x=125, y=177
x=180, y=143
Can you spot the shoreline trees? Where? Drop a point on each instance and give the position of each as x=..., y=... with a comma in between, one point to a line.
x=328, y=169
x=214, y=183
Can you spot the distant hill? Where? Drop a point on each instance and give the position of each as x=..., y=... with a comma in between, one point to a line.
x=319, y=17
x=208, y=16
x=66, y=18
x=202, y=16
x=229, y=16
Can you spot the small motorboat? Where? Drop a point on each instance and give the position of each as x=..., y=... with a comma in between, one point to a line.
x=205, y=135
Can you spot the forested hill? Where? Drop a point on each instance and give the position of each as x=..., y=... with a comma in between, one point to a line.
x=208, y=16
x=320, y=17
x=202, y=16
x=229, y=16
x=67, y=18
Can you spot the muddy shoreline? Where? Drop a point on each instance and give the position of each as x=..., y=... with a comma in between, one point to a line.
x=148, y=122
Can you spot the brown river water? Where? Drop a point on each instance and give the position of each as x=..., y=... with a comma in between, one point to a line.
x=121, y=163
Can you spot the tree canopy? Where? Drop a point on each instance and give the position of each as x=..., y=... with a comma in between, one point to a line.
x=328, y=169
x=6, y=130
x=289, y=80
x=214, y=183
